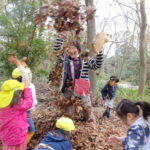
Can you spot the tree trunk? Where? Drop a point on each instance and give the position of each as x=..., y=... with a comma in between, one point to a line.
x=90, y=35
x=142, y=51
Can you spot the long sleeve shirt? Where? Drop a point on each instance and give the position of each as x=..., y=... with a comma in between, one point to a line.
x=138, y=136
x=108, y=92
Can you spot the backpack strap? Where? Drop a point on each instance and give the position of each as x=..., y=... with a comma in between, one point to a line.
x=46, y=146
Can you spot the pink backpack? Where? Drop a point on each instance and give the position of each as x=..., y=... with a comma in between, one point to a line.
x=81, y=87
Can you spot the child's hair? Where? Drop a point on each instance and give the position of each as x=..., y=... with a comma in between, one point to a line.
x=114, y=78
x=63, y=132
x=76, y=44
x=127, y=106
x=18, y=79
x=16, y=98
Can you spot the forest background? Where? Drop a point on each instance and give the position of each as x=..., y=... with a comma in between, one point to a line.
x=127, y=54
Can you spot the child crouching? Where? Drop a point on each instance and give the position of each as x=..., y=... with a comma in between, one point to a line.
x=59, y=138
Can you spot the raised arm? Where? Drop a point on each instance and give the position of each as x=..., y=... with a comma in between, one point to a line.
x=97, y=62
x=27, y=100
x=58, y=44
x=14, y=60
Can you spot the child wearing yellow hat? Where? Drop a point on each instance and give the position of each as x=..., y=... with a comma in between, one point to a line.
x=59, y=138
x=15, y=99
x=17, y=75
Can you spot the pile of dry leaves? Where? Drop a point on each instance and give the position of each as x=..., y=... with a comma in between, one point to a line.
x=55, y=75
x=87, y=135
x=91, y=136
x=64, y=16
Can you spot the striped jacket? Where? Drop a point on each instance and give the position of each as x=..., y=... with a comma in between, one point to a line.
x=92, y=63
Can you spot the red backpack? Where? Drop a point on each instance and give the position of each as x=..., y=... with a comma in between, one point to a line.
x=81, y=87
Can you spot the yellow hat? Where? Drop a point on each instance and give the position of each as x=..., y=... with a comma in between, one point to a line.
x=65, y=124
x=16, y=73
x=7, y=92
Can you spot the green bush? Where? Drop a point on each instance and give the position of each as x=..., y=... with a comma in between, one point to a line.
x=20, y=33
x=127, y=93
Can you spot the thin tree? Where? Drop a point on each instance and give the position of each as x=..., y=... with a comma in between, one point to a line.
x=142, y=50
x=90, y=35
x=141, y=22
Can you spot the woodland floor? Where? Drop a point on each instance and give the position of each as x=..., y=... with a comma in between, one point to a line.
x=87, y=136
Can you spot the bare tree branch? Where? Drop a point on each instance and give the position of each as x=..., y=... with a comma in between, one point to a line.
x=137, y=12
x=108, y=50
x=124, y=5
x=127, y=17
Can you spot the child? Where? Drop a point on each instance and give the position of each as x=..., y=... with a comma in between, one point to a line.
x=15, y=100
x=59, y=138
x=138, y=134
x=16, y=74
x=108, y=94
x=75, y=70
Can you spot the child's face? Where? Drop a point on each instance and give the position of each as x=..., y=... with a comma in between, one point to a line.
x=129, y=119
x=72, y=52
x=112, y=83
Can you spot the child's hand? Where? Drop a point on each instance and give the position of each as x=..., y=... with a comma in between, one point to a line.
x=23, y=62
x=24, y=59
x=14, y=60
x=113, y=140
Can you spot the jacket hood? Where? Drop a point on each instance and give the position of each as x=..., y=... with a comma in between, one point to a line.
x=56, y=136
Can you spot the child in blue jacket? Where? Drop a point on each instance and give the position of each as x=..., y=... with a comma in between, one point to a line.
x=59, y=138
x=138, y=134
x=108, y=94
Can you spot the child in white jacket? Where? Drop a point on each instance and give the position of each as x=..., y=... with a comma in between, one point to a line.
x=16, y=74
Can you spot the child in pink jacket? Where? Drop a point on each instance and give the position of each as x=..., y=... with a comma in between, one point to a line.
x=15, y=100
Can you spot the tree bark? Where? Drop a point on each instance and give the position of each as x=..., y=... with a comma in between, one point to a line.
x=90, y=35
x=142, y=50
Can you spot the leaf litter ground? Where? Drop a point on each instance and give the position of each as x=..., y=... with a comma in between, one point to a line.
x=87, y=136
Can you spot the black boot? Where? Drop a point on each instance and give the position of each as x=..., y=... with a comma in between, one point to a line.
x=106, y=113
